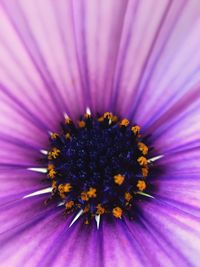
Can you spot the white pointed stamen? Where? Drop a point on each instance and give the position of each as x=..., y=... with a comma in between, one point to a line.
x=144, y=194
x=97, y=218
x=65, y=115
x=88, y=111
x=44, y=152
x=155, y=158
x=60, y=204
x=39, y=192
x=76, y=217
x=42, y=170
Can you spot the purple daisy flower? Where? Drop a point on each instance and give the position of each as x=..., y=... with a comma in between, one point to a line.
x=100, y=109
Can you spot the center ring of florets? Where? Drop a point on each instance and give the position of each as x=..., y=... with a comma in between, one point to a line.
x=98, y=165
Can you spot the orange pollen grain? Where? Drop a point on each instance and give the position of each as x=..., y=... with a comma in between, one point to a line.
x=68, y=121
x=141, y=185
x=117, y=212
x=69, y=204
x=54, y=135
x=84, y=196
x=81, y=124
x=119, y=179
x=100, y=209
x=50, y=167
x=91, y=192
x=124, y=122
x=60, y=189
x=114, y=118
x=55, y=152
x=68, y=136
x=107, y=115
x=143, y=148
x=53, y=184
x=52, y=173
x=135, y=129
x=128, y=196
x=100, y=119
x=145, y=172
x=142, y=161
x=87, y=115
x=67, y=187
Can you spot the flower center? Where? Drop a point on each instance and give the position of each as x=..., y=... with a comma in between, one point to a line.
x=98, y=165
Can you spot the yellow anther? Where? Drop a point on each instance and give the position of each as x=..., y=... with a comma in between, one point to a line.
x=92, y=192
x=128, y=196
x=50, y=167
x=67, y=187
x=145, y=172
x=55, y=152
x=62, y=195
x=119, y=179
x=117, y=212
x=141, y=185
x=124, y=122
x=68, y=120
x=142, y=161
x=100, y=209
x=61, y=189
x=68, y=136
x=114, y=118
x=86, y=209
x=49, y=155
x=135, y=129
x=87, y=115
x=143, y=148
x=100, y=119
x=81, y=124
x=52, y=173
x=53, y=184
x=86, y=221
x=84, y=196
x=54, y=135
x=69, y=204
x=107, y=115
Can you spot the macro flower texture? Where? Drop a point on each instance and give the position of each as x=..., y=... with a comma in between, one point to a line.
x=99, y=133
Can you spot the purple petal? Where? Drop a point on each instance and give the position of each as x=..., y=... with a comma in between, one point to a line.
x=180, y=183
x=66, y=73
x=22, y=156
x=36, y=71
x=179, y=126
x=98, y=34
x=17, y=183
x=180, y=191
x=171, y=231
x=155, y=69
x=21, y=139
x=18, y=212
x=33, y=228
x=116, y=243
x=84, y=245
x=104, y=56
